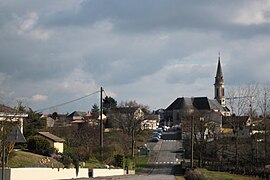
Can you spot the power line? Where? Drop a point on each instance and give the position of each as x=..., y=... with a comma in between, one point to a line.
x=105, y=93
x=62, y=104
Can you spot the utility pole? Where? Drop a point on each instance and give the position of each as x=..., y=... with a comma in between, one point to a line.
x=3, y=155
x=265, y=129
x=192, y=142
x=101, y=123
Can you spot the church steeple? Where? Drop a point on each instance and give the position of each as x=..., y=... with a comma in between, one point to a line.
x=219, y=85
x=219, y=75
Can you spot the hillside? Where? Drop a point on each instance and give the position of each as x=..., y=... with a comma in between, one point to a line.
x=27, y=159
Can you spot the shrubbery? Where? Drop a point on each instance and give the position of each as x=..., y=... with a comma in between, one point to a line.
x=39, y=145
x=194, y=175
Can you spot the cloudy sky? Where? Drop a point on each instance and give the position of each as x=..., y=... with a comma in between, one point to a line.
x=151, y=51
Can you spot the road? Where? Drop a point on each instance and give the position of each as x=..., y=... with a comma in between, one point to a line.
x=163, y=158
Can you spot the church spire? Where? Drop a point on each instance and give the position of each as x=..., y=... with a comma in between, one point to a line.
x=219, y=75
x=219, y=85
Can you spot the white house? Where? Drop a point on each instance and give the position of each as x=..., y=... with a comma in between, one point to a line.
x=12, y=115
x=55, y=141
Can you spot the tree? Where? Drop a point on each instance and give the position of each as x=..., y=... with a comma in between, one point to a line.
x=264, y=104
x=95, y=110
x=33, y=123
x=11, y=118
x=240, y=100
x=108, y=104
x=129, y=116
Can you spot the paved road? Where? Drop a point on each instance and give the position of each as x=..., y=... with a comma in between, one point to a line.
x=163, y=158
x=164, y=154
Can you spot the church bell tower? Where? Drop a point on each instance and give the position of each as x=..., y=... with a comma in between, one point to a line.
x=219, y=85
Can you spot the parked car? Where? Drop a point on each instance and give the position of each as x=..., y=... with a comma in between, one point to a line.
x=157, y=133
x=165, y=128
x=156, y=136
x=154, y=139
x=181, y=150
x=159, y=130
x=176, y=127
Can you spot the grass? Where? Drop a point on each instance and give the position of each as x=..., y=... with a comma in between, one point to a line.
x=93, y=163
x=223, y=175
x=179, y=177
x=27, y=159
x=141, y=162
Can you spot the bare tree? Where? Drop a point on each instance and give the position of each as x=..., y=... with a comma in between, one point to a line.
x=241, y=102
x=129, y=116
x=9, y=119
x=264, y=104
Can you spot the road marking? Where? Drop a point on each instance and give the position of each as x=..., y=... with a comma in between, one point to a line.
x=169, y=140
x=173, y=162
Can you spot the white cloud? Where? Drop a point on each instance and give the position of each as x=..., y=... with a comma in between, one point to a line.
x=28, y=26
x=104, y=26
x=28, y=21
x=255, y=13
x=78, y=82
x=39, y=98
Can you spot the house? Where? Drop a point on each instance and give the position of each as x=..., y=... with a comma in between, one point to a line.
x=240, y=123
x=56, y=142
x=258, y=128
x=12, y=115
x=55, y=120
x=83, y=119
x=206, y=125
x=122, y=116
x=150, y=122
x=77, y=115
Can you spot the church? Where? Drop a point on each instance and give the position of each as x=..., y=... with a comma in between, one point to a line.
x=188, y=106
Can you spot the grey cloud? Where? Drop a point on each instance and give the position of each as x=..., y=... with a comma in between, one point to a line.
x=157, y=15
x=142, y=39
x=247, y=68
x=188, y=74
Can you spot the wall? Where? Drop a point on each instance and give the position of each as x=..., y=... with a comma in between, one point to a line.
x=43, y=173
x=107, y=172
x=59, y=146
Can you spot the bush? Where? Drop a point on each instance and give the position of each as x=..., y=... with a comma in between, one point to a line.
x=194, y=175
x=66, y=160
x=119, y=160
x=39, y=145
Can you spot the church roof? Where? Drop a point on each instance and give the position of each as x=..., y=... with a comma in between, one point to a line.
x=199, y=103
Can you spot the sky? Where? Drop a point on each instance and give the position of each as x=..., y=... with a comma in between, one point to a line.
x=150, y=51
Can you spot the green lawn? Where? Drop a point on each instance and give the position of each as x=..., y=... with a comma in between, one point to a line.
x=223, y=175
x=93, y=163
x=141, y=162
x=180, y=178
x=27, y=159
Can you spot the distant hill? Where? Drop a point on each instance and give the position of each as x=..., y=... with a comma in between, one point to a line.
x=27, y=159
